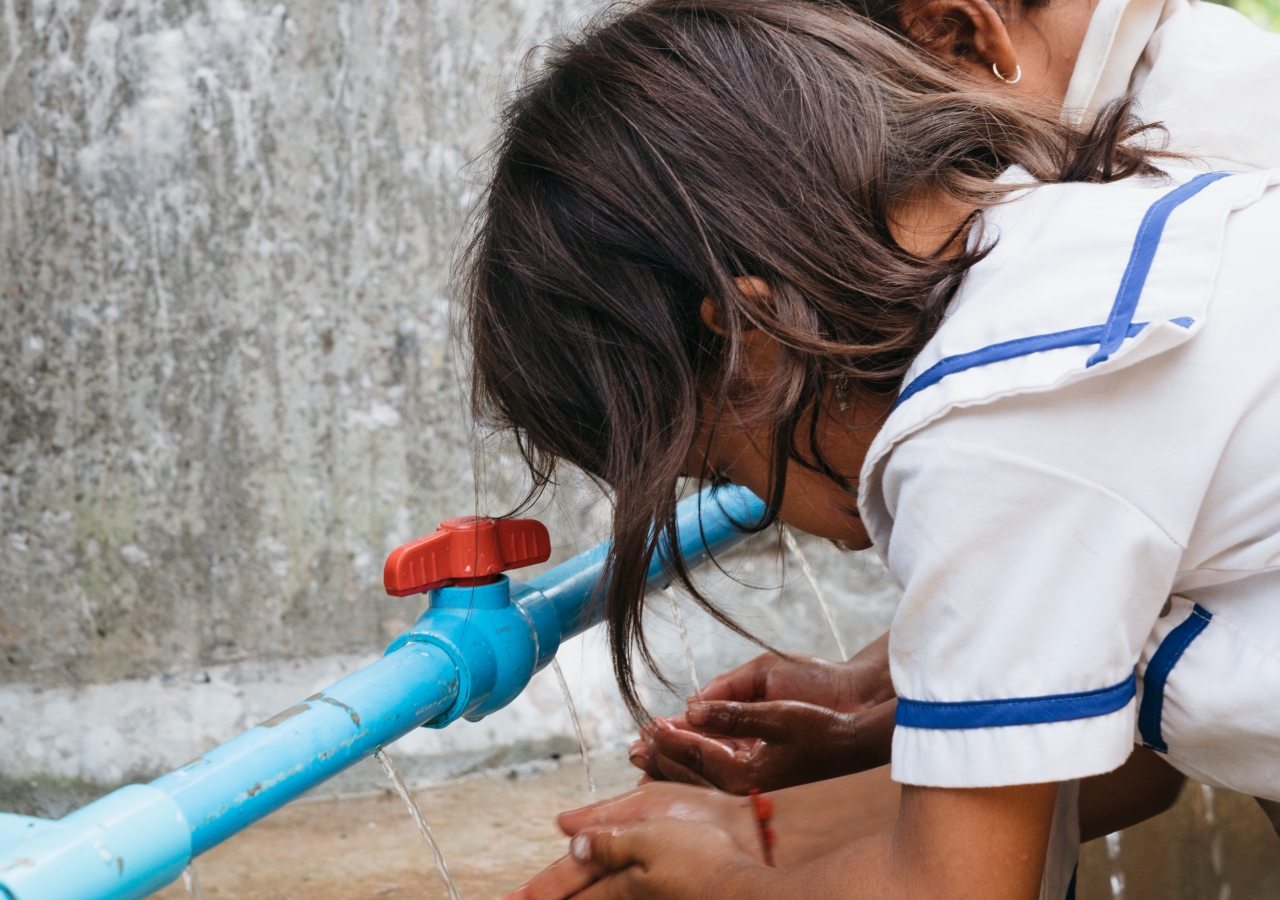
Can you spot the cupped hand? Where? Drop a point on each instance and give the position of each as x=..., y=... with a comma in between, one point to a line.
x=667, y=800
x=856, y=684
x=663, y=859
x=767, y=745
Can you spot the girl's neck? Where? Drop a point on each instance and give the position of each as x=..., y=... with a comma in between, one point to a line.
x=926, y=223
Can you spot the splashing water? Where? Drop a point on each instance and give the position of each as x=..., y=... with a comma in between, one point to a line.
x=1117, y=870
x=684, y=640
x=191, y=882
x=1117, y=886
x=794, y=548
x=394, y=774
x=577, y=726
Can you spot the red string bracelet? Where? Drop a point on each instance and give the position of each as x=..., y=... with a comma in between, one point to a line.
x=763, y=808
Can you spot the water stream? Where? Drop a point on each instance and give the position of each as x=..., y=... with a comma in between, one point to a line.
x=789, y=540
x=1117, y=868
x=1215, y=841
x=191, y=882
x=394, y=774
x=684, y=640
x=577, y=726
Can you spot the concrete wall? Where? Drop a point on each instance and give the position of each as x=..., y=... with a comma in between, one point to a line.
x=227, y=387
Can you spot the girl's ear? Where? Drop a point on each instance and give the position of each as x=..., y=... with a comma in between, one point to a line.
x=754, y=289
x=968, y=33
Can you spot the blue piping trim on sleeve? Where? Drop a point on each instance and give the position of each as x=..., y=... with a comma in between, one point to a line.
x=1175, y=643
x=1018, y=711
x=1140, y=258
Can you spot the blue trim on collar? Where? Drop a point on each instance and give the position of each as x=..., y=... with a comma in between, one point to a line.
x=1145, y=245
x=1175, y=644
x=1109, y=335
x=1018, y=711
x=1075, y=337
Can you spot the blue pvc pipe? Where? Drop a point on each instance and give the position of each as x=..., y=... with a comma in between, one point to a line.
x=461, y=658
x=708, y=523
x=239, y=782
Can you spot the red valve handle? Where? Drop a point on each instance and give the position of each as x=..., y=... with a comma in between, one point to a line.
x=469, y=550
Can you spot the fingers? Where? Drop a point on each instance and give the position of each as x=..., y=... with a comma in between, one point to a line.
x=625, y=809
x=769, y=745
x=562, y=879
x=743, y=684
x=642, y=753
x=673, y=770
x=779, y=720
x=694, y=758
x=638, y=755
x=607, y=850
x=641, y=805
x=657, y=859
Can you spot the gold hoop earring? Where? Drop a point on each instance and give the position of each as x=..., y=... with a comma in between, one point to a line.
x=1016, y=77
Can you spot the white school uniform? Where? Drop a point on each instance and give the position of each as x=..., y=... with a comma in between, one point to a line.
x=1203, y=70
x=1079, y=491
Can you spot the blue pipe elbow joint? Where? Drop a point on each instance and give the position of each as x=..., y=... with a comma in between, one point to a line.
x=498, y=635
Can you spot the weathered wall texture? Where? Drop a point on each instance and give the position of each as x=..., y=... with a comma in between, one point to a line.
x=224, y=235
x=226, y=382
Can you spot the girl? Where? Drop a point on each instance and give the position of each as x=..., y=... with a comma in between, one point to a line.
x=766, y=242
x=1194, y=67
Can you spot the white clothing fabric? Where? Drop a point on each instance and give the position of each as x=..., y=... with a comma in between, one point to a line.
x=1203, y=70
x=1040, y=511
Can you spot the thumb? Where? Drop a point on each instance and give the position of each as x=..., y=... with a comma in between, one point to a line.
x=608, y=851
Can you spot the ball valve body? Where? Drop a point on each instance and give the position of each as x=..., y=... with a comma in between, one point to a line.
x=497, y=634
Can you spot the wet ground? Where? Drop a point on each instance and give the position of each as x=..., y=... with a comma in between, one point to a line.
x=494, y=830
x=497, y=830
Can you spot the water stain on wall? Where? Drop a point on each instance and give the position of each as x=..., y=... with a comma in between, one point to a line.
x=225, y=365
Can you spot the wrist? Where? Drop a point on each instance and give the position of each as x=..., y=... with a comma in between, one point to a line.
x=870, y=684
x=869, y=737
x=752, y=881
x=739, y=821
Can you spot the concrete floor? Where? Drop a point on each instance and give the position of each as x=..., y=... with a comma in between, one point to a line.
x=496, y=831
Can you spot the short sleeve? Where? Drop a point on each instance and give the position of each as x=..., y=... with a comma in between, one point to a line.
x=1028, y=595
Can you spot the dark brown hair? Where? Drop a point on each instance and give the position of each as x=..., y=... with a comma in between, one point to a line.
x=680, y=144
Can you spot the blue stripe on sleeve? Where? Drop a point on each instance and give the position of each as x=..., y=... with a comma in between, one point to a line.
x=1140, y=258
x=1017, y=711
x=1175, y=643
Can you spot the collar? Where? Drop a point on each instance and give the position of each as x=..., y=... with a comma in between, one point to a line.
x=1061, y=253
